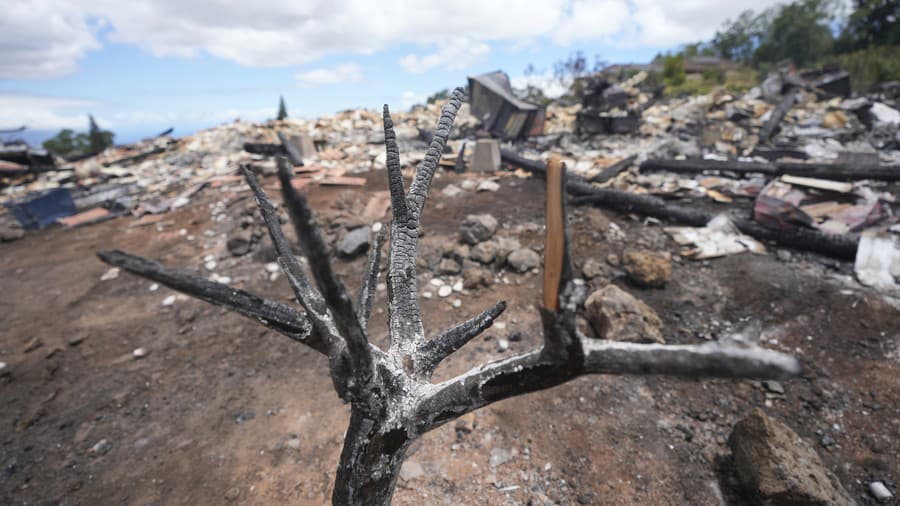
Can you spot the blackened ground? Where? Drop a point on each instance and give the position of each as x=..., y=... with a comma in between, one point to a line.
x=222, y=410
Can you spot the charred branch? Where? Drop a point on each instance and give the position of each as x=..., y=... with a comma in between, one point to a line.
x=833, y=171
x=274, y=315
x=370, y=281
x=778, y=114
x=448, y=342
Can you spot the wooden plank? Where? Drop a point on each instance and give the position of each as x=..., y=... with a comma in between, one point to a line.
x=343, y=181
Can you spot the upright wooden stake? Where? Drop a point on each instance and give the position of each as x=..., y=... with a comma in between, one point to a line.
x=554, y=242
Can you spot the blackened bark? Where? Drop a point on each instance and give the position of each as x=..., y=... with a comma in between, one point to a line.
x=370, y=462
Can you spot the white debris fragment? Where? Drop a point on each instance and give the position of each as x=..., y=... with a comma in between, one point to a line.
x=718, y=238
x=168, y=301
x=112, y=273
x=153, y=287
x=444, y=291
x=878, y=260
x=139, y=353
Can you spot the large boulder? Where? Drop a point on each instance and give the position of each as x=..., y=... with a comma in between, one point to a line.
x=477, y=228
x=773, y=463
x=617, y=315
x=647, y=268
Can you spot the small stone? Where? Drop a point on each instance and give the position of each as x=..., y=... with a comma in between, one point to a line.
x=523, y=259
x=376, y=227
x=476, y=277
x=445, y=291
x=477, y=228
x=153, y=287
x=355, y=242
x=102, y=447
x=75, y=341
x=516, y=336
x=617, y=315
x=232, y=494
x=457, y=303
x=773, y=386
x=499, y=456
x=411, y=470
x=593, y=268
x=451, y=190
x=272, y=267
x=448, y=266
x=484, y=252
x=293, y=443
x=457, y=286
x=33, y=344
x=210, y=265
x=140, y=353
x=436, y=282
x=168, y=301
x=4, y=369
x=612, y=259
x=427, y=295
x=113, y=273
x=488, y=186
x=880, y=492
x=647, y=269
x=502, y=344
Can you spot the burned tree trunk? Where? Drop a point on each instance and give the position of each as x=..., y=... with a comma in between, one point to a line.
x=392, y=398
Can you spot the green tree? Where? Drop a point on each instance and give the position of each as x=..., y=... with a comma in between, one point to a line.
x=98, y=139
x=738, y=39
x=282, y=110
x=673, y=69
x=68, y=143
x=798, y=31
x=872, y=23
x=438, y=96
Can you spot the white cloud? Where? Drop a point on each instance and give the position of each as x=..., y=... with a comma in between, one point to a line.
x=592, y=20
x=43, y=38
x=345, y=73
x=46, y=38
x=454, y=54
x=411, y=98
x=547, y=83
x=45, y=113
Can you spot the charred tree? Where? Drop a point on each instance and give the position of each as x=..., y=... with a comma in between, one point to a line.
x=393, y=400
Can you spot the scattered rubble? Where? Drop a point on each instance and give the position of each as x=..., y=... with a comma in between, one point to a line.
x=647, y=268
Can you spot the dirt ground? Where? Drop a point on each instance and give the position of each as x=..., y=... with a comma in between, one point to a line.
x=222, y=410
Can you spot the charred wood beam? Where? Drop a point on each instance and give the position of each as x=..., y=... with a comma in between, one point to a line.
x=130, y=160
x=613, y=170
x=837, y=246
x=274, y=315
x=777, y=115
x=290, y=150
x=833, y=171
x=264, y=148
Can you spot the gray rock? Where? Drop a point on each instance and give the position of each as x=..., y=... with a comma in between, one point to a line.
x=880, y=492
x=448, y=266
x=505, y=246
x=411, y=470
x=773, y=386
x=617, y=315
x=241, y=242
x=484, y=252
x=477, y=228
x=523, y=259
x=499, y=456
x=593, y=268
x=475, y=276
x=354, y=243
x=773, y=463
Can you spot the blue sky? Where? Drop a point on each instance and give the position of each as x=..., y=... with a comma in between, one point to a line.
x=143, y=66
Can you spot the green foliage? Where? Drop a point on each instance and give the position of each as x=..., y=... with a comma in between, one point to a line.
x=439, y=96
x=868, y=67
x=797, y=31
x=68, y=143
x=98, y=140
x=282, y=110
x=673, y=69
x=872, y=23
